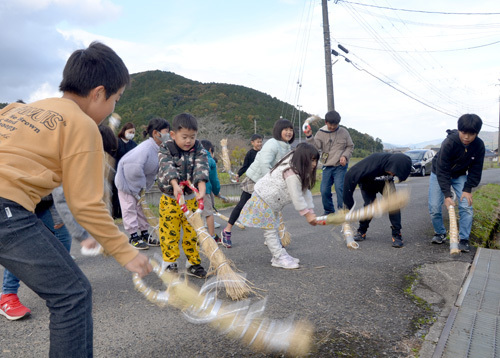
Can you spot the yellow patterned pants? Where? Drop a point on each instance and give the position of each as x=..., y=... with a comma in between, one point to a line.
x=171, y=220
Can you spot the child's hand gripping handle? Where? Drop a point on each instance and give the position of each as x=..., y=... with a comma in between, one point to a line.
x=184, y=208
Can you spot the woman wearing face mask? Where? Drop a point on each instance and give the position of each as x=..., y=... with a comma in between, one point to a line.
x=137, y=170
x=125, y=144
x=125, y=140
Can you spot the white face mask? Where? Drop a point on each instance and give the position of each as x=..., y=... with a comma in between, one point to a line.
x=164, y=136
x=129, y=136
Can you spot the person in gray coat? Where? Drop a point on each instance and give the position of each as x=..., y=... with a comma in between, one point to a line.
x=336, y=146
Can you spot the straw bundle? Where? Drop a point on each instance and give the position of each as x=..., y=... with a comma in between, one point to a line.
x=238, y=320
x=309, y=121
x=152, y=220
x=388, y=203
x=226, y=161
x=453, y=231
x=114, y=121
x=349, y=236
x=230, y=199
x=237, y=286
x=224, y=217
x=285, y=236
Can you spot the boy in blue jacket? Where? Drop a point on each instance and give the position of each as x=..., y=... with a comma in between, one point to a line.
x=213, y=188
x=457, y=165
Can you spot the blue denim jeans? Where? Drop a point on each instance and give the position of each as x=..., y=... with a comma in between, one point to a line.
x=32, y=253
x=11, y=282
x=332, y=175
x=436, y=200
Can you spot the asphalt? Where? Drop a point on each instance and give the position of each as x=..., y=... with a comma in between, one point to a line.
x=356, y=300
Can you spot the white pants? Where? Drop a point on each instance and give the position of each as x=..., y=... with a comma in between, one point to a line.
x=273, y=242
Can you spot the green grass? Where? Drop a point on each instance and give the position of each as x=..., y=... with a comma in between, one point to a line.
x=486, y=202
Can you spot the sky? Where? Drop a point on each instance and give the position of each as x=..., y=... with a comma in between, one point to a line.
x=414, y=68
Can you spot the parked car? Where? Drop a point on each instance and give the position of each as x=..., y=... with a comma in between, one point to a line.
x=421, y=160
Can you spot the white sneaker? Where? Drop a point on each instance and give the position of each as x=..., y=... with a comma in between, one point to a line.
x=216, y=225
x=294, y=259
x=284, y=261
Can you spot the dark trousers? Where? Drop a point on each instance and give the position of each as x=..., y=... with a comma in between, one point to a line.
x=33, y=254
x=235, y=214
x=394, y=217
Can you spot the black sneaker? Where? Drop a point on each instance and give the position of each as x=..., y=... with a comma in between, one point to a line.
x=139, y=244
x=464, y=246
x=169, y=266
x=149, y=239
x=359, y=236
x=196, y=271
x=438, y=239
x=397, y=241
x=217, y=239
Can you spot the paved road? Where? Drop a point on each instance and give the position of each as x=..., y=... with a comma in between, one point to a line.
x=354, y=298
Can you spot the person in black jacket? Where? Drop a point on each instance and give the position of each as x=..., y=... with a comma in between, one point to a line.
x=372, y=174
x=458, y=164
x=256, y=142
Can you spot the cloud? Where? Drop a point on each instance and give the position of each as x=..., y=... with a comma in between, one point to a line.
x=33, y=50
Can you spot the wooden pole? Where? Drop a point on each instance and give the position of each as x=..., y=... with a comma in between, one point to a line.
x=328, y=57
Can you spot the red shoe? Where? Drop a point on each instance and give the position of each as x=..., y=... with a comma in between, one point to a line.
x=11, y=308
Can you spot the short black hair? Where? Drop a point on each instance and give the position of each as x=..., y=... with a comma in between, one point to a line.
x=186, y=121
x=156, y=124
x=332, y=117
x=109, y=140
x=255, y=137
x=207, y=145
x=470, y=123
x=97, y=65
x=278, y=128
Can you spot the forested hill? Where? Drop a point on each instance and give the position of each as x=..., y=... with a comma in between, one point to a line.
x=233, y=108
x=165, y=94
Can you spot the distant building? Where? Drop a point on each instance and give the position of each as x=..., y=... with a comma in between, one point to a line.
x=491, y=155
x=396, y=150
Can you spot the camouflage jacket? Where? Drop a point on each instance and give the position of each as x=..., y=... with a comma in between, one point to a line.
x=182, y=165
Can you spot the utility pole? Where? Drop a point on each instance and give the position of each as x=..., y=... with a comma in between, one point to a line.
x=328, y=57
x=254, y=125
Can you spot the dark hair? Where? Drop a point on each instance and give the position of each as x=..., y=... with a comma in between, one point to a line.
x=126, y=127
x=155, y=124
x=109, y=140
x=470, y=123
x=278, y=128
x=332, y=117
x=97, y=65
x=301, y=164
x=207, y=145
x=255, y=137
x=20, y=101
x=186, y=121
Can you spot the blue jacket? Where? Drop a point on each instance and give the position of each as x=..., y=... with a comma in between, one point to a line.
x=213, y=184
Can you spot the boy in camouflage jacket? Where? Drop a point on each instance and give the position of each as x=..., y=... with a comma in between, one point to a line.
x=181, y=158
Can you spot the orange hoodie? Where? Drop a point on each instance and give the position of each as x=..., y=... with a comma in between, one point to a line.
x=49, y=142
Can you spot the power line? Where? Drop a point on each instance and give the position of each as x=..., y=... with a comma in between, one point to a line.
x=421, y=11
x=448, y=50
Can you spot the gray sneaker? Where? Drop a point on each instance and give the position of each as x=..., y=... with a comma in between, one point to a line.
x=438, y=238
